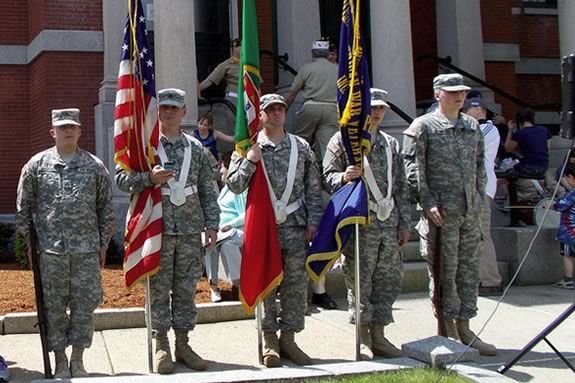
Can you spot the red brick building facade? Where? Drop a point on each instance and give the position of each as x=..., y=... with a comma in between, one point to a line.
x=42, y=69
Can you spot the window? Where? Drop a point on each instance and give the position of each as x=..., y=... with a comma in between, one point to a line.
x=540, y=3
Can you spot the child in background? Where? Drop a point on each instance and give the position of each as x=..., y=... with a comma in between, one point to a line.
x=566, y=233
x=209, y=136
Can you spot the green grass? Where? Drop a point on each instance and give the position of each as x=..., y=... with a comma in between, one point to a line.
x=411, y=375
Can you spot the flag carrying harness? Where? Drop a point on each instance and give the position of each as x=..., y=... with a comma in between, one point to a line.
x=281, y=207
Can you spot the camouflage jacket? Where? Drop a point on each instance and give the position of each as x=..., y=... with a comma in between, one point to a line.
x=336, y=161
x=71, y=203
x=448, y=161
x=306, y=184
x=200, y=211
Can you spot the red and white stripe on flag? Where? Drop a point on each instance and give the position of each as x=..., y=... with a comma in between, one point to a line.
x=136, y=138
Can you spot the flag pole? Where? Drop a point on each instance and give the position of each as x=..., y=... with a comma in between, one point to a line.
x=259, y=326
x=357, y=295
x=149, y=327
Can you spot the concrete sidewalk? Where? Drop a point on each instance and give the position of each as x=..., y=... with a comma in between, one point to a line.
x=231, y=347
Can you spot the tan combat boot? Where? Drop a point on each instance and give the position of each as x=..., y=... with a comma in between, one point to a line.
x=450, y=329
x=289, y=349
x=185, y=354
x=271, y=353
x=380, y=345
x=365, y=343
x=164, y=362
x=62, y=370
x=466, y=336
x=77, y=369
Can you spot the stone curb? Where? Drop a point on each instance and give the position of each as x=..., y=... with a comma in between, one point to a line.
x=265, y=375
x=107, y=319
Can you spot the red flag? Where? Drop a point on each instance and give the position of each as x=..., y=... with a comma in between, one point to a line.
x=261, y=269
x=136, y=136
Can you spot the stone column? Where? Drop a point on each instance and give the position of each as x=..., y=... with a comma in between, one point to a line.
x=566, y=10
x=114, y=17
x=296, y=31
x=392, y=59
x=459, y=34
x=175, y=51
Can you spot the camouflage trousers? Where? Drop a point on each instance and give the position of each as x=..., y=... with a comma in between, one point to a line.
x=292, y=291
x=460, y=245
x=380, y=270
x=70, y=281
x=173, y=287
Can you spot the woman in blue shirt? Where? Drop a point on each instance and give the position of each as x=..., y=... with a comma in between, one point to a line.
x=531, y=142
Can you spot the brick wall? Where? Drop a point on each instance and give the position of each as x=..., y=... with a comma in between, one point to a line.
x=539, y=89
x=265, y=34
x=424, y=42
x=497, y=22
x=65, y=15
x=13, y=22
x=14, y=131
x=54, y=80
x=537, y=37
x=502, y=75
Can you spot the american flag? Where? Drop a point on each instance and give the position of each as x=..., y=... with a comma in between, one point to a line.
x=136, y=136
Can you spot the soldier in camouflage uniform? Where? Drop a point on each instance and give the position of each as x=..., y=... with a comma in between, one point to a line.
x=68, y=192
x=380, y=262
x=189, y=203
x=274, y=146
x=450, y=186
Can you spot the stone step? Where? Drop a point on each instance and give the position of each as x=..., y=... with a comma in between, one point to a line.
x=415, y=279
x=543, y=265
x=410, y=252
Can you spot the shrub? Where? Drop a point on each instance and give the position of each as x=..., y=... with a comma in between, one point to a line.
x=7, y=242
x=114, y=254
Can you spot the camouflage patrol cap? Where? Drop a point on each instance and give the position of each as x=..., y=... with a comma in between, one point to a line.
x=172, y=96
x=69, y=116
x=271, y=98
x=378, y=97
x=451, y=82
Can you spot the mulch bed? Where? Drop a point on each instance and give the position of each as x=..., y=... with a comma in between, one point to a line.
x=17, y=290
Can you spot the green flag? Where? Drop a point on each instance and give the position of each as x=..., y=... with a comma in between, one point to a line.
x=248, y=105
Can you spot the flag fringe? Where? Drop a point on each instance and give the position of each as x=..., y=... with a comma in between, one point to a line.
x=332, y=256
x=250, y=309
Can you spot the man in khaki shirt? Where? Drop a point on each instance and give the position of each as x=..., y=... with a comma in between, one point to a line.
x=227, y=71
x=316, y=121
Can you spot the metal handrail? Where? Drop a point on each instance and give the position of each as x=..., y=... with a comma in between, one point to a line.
x=281, y=61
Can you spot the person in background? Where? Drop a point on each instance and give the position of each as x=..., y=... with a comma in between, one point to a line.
x=230, y=238
x=489, y=277
x=530, y=141
x=566, y=206
x=208, y=136
x=226, y=71
x=316, y=121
